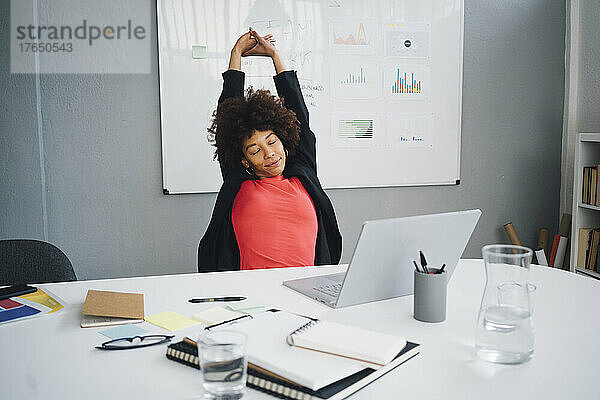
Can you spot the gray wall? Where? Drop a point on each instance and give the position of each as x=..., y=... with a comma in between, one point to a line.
x=588, y=110
x=102, y=153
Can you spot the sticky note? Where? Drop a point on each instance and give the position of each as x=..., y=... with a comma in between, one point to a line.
x=247, y=307
x=122, y=331
x=198, y=51
x=171, y=321
x=216, y=315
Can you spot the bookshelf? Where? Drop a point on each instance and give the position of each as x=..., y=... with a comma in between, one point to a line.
x=587, y=153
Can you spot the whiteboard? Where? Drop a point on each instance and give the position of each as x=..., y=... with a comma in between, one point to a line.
x=382, y=82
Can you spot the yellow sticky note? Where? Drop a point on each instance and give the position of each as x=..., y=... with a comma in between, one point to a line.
x=171, y=320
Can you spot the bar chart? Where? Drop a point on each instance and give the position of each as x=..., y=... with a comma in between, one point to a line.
x=352, y=77
x=351, y=80
x=406, y=83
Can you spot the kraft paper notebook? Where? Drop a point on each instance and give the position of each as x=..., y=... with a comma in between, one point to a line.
x=111, y=308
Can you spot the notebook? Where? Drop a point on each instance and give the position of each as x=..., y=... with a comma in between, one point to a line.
x=347, y=341
x=111, y=308
x=186, y=352
x=267, y=347
x=91, y=321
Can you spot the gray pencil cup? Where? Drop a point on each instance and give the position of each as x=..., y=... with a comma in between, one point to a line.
x=430, y=296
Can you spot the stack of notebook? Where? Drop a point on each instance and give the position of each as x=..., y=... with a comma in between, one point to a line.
x=293, y=357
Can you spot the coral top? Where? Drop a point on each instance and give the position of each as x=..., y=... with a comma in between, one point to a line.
x=275, y=223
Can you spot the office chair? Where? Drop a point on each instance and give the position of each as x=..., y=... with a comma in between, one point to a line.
x=33, y=261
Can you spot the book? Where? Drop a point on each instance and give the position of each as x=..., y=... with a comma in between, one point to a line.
x=589, y=244
x=597, y=202
x=554, y=250
x=560, y=252
x=593, y=251
x=111, y=308
x=541, y=257
x=186, y=352
x=582, y=246
x=347, y=341
x=597, y=267
x=586, y=185
x=593, y=182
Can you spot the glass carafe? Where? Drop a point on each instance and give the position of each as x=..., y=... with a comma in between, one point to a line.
x=504, y=325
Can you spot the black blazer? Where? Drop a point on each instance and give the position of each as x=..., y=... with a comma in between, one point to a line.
x=218, y=249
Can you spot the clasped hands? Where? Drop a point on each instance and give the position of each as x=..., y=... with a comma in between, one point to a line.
x=252, y=44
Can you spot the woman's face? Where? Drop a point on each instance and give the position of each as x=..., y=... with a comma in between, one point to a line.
x=264, y=154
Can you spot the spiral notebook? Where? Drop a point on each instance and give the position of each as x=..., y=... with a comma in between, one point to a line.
x=347, y=341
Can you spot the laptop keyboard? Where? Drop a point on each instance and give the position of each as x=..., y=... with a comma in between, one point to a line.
x=332, y=289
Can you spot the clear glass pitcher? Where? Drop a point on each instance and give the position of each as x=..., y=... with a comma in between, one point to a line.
x=504, y=325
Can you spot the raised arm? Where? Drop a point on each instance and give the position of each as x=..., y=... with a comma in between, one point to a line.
x=233, y=78
x=286, y=82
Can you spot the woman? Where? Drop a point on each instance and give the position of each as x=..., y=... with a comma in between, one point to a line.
x=271, y=210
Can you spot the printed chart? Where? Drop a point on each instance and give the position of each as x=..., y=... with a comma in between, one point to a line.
x=354, y=131
x=409, y=130
x=407, y=40
x=407, y=82
x=356, y=81
x=352, y=36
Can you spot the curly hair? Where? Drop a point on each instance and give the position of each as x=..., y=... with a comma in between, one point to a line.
x=237, y=118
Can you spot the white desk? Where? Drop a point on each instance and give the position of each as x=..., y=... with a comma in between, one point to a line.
x=52, y=358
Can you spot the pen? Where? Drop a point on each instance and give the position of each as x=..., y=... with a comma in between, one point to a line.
x=228, y=321
x=211, y=299
x=423, y=262
x=416, y=266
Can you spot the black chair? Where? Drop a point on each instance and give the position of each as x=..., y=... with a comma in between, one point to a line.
x=33, y=261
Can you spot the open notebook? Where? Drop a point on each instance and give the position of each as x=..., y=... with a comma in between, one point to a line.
x=347, y=341
x=268, y=335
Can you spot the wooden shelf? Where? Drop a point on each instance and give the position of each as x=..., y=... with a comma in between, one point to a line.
x=588, y=272
x=588, y=206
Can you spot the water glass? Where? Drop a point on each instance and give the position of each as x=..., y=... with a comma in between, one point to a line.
x=222, y=357
x=504, y=331
x=517, y=295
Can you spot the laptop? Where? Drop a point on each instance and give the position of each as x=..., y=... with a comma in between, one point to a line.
x=382, y=266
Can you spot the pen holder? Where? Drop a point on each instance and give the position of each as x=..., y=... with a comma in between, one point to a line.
x=430, y=296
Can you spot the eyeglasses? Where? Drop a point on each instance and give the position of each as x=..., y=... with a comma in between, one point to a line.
x=134, y=342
